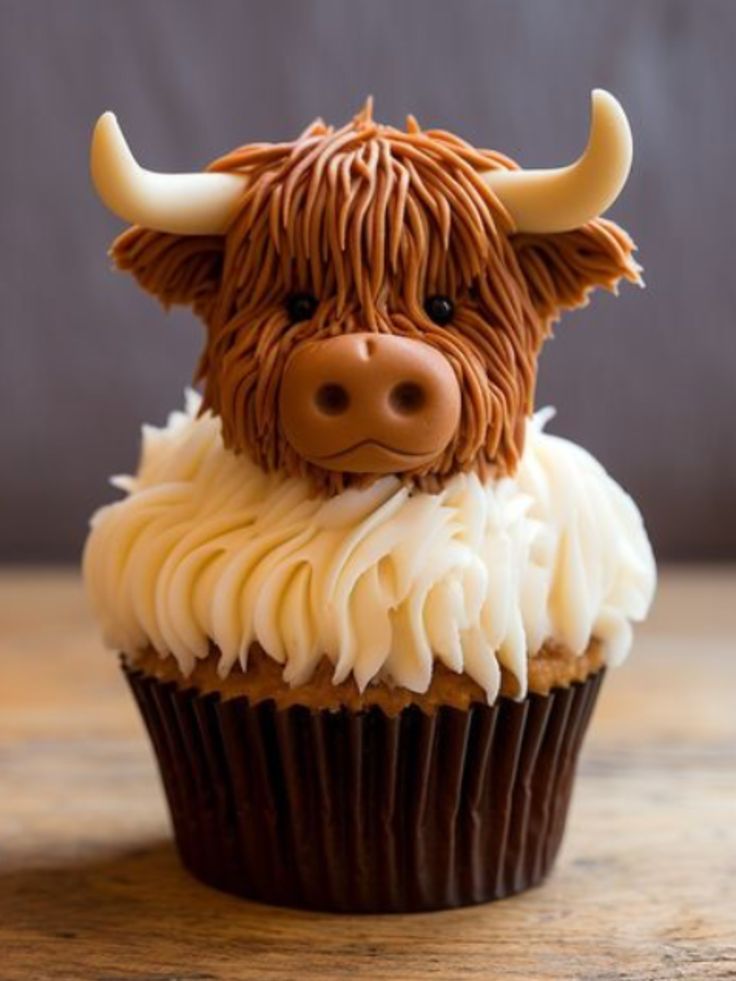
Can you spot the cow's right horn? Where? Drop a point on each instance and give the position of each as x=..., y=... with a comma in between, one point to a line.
x=184, y=204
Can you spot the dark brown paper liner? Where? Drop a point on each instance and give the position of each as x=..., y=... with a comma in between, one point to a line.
x=361, y=811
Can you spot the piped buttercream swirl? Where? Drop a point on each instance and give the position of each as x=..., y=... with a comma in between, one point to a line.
x=207, y=548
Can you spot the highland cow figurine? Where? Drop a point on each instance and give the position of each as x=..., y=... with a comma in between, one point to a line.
x=375, y=301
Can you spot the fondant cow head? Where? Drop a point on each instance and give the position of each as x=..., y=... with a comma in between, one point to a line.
x=375, y=300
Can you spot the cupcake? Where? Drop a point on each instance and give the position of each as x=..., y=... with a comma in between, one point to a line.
x=364, y=600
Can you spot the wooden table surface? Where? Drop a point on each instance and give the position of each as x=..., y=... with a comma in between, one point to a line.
x=90, y=887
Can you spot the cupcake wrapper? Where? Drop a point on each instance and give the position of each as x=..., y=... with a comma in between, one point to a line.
x=361, y=811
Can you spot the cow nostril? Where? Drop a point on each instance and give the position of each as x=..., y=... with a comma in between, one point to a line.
x=406, y=398
x=332, y=399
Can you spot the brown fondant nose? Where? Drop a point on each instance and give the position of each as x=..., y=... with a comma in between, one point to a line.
x=369, y=403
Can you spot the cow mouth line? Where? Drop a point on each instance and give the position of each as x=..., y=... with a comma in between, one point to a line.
x=376, y=444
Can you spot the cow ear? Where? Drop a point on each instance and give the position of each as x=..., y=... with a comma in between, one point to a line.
x=176, y=269
x=561, y=269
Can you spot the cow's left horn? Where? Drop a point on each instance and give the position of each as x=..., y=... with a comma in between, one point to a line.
x=566, y=198
x=184, y=204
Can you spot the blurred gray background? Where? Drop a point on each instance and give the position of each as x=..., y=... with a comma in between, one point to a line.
x=647, y=382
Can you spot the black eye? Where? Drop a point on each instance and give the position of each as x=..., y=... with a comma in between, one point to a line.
x=440, y=309
x=301, y=306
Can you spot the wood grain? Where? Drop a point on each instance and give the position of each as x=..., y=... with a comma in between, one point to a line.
x=90, y=886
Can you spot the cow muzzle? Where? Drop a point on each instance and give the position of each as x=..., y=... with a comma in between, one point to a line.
x=369, y=403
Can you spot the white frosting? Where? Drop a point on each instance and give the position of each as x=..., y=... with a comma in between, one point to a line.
x=206, y=547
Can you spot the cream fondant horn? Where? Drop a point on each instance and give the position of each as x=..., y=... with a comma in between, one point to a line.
x=561, y=199
x=184, y=204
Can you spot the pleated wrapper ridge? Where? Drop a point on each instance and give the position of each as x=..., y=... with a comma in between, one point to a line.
x=363, y=811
